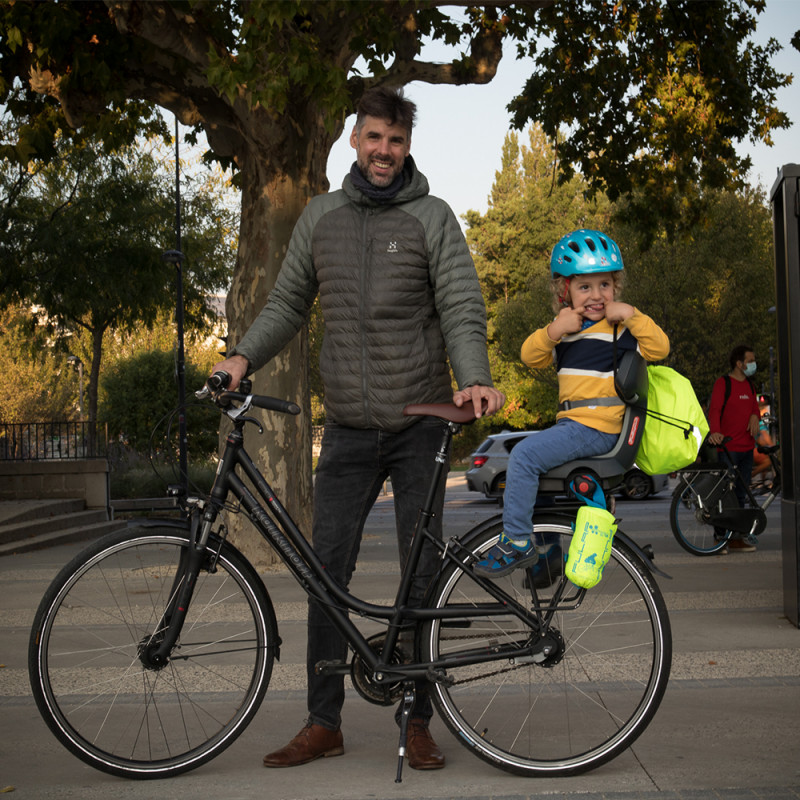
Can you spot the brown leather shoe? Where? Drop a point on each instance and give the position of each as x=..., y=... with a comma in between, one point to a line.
x=422, y=751
x=311, y=743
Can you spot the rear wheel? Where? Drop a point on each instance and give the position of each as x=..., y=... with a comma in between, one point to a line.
x=597, y=676
x=92, y=684
x=696, y=497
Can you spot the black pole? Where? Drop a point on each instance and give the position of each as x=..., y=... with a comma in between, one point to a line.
x=176, y=257
x=785, y=198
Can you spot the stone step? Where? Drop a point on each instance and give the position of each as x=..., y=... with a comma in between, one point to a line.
x=22, y=510
x=16, y=531
x=81, y=532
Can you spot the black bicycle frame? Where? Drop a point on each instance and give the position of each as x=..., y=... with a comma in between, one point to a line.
x=747, y=520
x=303, y=562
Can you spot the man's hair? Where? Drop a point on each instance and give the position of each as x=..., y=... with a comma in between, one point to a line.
x=738, y=353
x=388, y=104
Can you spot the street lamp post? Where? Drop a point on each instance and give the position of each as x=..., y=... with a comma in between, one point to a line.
x=79, y=366
x=176, y=257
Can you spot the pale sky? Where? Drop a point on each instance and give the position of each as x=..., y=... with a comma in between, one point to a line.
x=460, y=130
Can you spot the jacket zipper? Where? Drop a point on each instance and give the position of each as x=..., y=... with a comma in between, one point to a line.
x=365, y=258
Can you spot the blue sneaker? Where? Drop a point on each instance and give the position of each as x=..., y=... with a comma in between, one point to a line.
x=505, y=557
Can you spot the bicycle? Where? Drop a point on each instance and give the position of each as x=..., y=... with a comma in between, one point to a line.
x=152, y=649
x=705, y=511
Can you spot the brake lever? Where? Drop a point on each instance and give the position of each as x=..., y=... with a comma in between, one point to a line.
x=238, y=414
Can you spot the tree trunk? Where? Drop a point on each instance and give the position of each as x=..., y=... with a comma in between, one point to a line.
x=271, y=205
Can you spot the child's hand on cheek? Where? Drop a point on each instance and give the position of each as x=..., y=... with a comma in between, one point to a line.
x=569, y=320
x=618, y=312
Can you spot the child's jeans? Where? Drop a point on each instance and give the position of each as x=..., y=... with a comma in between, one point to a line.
x=536, y=454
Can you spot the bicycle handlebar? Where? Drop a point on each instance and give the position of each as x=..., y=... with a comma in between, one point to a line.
x=215, y=389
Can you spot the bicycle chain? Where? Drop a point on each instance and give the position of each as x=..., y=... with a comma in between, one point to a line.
x=483, y=675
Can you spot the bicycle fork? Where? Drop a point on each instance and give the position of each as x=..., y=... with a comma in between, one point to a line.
x=156, y=648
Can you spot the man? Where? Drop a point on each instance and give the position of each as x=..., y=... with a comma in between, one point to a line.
x=733, y=412
x=400, y=298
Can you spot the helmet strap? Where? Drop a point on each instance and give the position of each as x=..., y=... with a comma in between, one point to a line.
x=562, y=299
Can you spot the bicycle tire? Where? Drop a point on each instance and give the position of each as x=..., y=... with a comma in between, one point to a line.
x=91, y=687
x=689, y=517
x=582, y=706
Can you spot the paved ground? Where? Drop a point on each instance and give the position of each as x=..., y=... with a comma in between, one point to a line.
x=729, y=726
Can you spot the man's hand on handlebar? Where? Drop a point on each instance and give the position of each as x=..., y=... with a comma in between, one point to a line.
x=486, y=400
x=236, y=366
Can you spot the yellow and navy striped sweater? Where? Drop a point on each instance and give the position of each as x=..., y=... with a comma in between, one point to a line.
x=585, y=364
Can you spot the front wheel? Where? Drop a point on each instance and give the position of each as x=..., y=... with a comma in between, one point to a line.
x=102, y=699
x=598, y=676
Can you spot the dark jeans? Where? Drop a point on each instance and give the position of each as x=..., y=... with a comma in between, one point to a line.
x=353, y=466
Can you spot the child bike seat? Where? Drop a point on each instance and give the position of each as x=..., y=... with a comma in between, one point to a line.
x=609, y=469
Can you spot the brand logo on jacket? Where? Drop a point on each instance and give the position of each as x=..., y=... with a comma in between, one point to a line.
x=392, y=248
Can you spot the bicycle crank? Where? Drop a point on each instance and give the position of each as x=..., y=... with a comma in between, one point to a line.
x=382, y=694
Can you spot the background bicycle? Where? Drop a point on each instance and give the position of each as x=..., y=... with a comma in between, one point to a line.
x=705, y=513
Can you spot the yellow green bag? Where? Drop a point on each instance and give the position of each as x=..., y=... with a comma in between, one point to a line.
x=675, y=426
x=590, y=547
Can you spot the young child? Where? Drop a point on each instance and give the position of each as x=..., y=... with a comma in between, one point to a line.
x=586, y=267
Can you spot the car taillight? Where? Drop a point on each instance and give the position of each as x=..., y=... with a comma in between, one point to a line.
x=479, y=461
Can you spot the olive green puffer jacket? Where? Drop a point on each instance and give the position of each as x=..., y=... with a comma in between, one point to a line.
x=399, y=294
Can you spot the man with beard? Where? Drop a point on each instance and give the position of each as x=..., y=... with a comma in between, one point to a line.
x=402, y=306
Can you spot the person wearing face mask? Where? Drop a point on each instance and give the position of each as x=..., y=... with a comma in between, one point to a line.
x=733, y=413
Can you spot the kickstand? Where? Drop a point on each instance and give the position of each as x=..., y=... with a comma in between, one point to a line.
x=409, y=695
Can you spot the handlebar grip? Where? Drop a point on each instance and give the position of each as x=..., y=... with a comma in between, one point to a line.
x=218, y=381
x=274, y=404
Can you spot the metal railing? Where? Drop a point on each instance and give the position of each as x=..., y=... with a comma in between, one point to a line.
x=38, y=441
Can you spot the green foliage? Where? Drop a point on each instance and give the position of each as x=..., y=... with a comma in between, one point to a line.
x=138, y=396
x=528, y=212
x=87, y=235
x=39, y=385
x=77, y=61
x=710, y=288
x=139, y=478
x=654, y=97
x=214, y=64
x=84, y=240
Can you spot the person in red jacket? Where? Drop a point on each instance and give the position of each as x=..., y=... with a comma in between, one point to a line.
x=733, y=412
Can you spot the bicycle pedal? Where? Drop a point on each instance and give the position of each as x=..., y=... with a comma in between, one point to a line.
x=331, y=668
x=439, y=676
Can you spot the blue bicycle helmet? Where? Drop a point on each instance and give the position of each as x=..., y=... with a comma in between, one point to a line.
x=583, y=252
